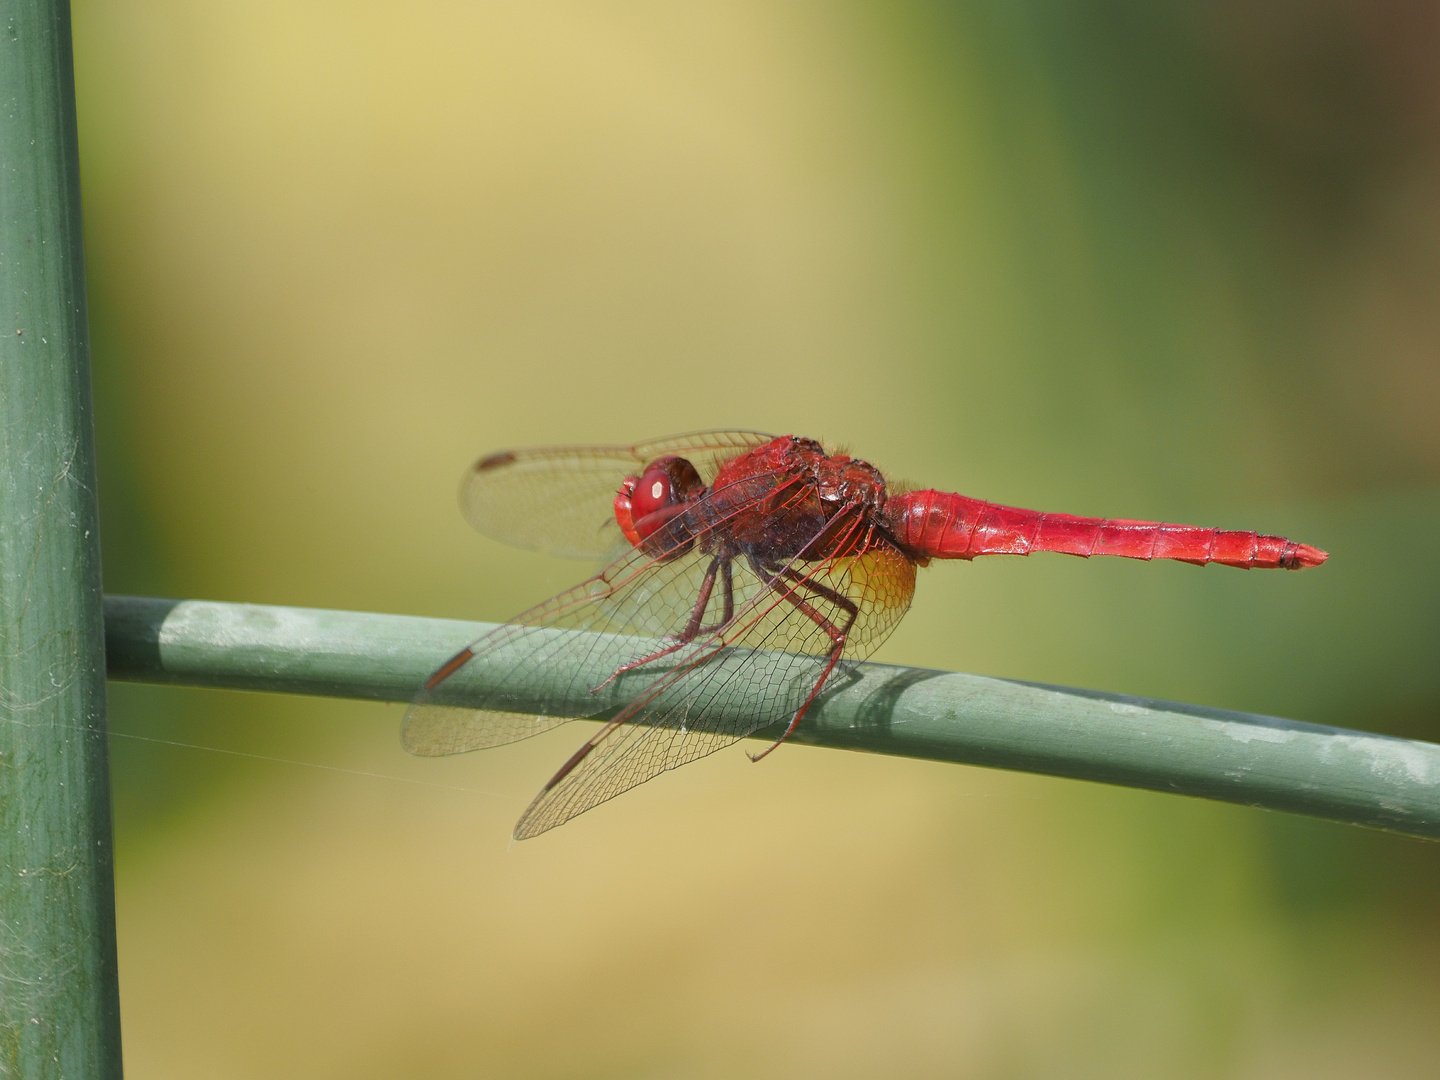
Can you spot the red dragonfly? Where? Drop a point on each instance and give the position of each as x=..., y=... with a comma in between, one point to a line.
x=738, y=559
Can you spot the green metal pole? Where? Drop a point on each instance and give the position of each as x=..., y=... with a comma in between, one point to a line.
x=1351, y=776
x=59, y=991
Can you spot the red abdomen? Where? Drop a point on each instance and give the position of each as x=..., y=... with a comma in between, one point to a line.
x=943, y=525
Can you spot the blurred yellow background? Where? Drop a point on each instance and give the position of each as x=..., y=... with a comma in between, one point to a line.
x=1100, y=258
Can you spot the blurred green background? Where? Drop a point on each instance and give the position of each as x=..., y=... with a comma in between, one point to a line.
x=1109, y=258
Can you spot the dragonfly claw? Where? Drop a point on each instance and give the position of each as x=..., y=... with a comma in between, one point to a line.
x=767, y=750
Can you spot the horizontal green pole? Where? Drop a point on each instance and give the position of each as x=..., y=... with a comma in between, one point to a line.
x=1348, y=776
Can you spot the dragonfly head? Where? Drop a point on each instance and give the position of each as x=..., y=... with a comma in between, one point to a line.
x=647, y=502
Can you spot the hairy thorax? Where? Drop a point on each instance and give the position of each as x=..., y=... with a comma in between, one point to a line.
x=790, y=499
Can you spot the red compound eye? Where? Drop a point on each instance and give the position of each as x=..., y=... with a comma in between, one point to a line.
x=653, y=492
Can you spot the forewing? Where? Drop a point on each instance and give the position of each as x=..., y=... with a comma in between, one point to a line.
x=756, y=672
x=547, y=666
x=561, y=499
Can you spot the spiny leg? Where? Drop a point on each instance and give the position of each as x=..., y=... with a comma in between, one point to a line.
x=727, y=614
x=693, y=629
x=836, y=634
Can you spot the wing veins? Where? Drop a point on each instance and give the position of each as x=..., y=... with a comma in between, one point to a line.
x=581, y=785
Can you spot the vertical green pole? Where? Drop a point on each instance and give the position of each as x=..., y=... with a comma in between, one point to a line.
x=59, y=991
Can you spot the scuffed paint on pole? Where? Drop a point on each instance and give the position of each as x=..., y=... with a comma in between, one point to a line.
x=1351, y=776
x=59, y=997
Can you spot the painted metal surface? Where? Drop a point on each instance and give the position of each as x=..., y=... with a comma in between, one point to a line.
x=59, y=1000
x=1348, y=776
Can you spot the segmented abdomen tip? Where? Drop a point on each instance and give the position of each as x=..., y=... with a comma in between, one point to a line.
x=1303, y=556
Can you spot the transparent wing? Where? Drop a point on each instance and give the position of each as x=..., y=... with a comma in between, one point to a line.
x=616, y=618
x=769, y=663
x=551, y=664
x=763, y=639
x=561, y=499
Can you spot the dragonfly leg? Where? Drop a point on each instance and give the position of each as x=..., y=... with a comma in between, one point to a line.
x=693, y=629
x=727, y=589
x=836, y=634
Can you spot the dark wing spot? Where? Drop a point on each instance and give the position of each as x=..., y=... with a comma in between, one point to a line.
x=494, y=461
